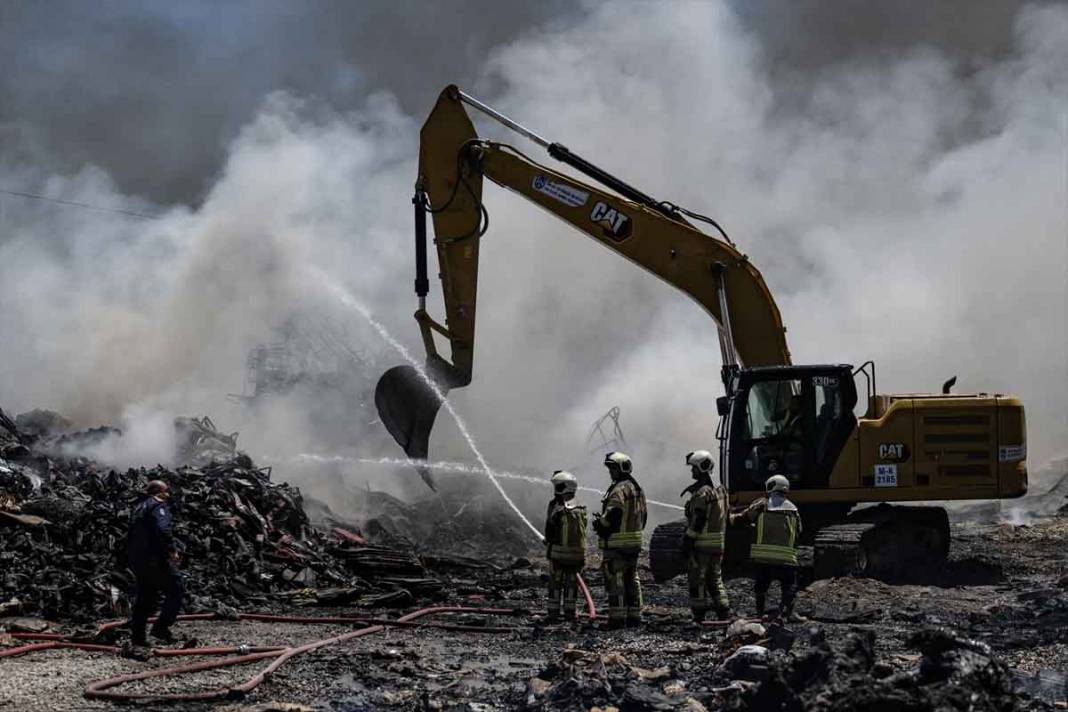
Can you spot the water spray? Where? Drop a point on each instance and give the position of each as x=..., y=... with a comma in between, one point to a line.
x=351, y=302
x=446, y=466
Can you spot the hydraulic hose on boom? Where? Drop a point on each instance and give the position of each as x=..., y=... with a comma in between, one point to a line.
x=653, y=234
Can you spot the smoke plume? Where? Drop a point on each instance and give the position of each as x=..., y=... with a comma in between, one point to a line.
x=904, y=198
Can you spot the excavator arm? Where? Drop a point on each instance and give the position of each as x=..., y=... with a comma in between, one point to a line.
x=654, y=235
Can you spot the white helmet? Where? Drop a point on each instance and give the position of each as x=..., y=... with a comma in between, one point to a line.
x=701, y=460
x=777, y=483
x=620, y=461
x=564, y=483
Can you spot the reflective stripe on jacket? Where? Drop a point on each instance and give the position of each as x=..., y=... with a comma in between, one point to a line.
x=706, y=518
x=565, y=533
x=776, y=537
x=630, y=500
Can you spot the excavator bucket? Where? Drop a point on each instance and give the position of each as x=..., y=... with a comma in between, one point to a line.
x=407, y=406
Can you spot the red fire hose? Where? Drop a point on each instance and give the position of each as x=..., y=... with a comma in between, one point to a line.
x=590, y=609
x=246, y=654
x=161, y=652
x=101, y=688
x=61, y=641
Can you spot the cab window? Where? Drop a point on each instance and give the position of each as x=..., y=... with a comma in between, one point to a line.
x=773, y=432
x=773, y=409
x=794, y=427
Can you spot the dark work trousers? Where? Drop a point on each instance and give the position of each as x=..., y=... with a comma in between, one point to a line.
x=705, y=574
x=155, y=577
x=623, y=588
x=787, y=578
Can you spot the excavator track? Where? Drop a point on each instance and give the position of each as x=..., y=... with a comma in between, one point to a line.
x=666, y=559
x=893, y=544
x=839, y=551
x=890, y=543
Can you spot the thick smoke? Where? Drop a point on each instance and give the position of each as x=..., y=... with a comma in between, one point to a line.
x=885, y=230
x=154, y=93
x=909, y=210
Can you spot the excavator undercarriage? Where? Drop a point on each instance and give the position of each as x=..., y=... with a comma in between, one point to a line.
x=891, y=543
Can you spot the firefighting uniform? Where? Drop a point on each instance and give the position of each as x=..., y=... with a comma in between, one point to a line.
x=774, y=548
x=565, y=547
x=623, y=517
x=706, y=523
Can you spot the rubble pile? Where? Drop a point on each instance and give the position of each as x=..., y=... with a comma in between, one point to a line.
x=585, y=679
x=952, y=673
x=245, y=540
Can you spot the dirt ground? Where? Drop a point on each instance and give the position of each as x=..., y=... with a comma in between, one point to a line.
x=1014, y=598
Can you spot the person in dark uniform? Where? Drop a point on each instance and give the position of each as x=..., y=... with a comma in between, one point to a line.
x=153, y=557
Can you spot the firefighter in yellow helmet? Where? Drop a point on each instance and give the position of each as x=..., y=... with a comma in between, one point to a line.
x=703, y=542
x=619, y=529
x=774, y=547
x=565, y=545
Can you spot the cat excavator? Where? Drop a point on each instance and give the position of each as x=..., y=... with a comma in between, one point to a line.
x=775, y=417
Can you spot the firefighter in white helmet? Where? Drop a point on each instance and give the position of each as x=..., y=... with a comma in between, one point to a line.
x=619, y=529
x=704, y=540
x=774, y=547
x=565, y=545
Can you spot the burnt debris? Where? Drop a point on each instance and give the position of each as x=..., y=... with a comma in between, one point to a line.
x=246, y=540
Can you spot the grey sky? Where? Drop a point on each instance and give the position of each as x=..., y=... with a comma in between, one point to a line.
x=153, y=92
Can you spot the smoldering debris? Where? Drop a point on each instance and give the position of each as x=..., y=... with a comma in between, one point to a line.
x=245, y=539
x=456, y=522
x=40, y=422
x=200, y=442
x=952, y=672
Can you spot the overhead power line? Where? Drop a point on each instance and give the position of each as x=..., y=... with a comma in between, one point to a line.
x=75, y=204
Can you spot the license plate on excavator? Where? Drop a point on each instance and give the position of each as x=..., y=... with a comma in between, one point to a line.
x=886, y=475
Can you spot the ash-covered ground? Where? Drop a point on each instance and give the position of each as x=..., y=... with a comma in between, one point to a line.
x=987, y=632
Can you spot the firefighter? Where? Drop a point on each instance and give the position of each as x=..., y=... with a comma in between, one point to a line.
x=565, y=545
x=153, y=556
x=619, y=529
x=703, y=542
x=774, y=547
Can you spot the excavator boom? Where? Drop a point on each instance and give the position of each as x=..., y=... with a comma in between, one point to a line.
x=654, y=235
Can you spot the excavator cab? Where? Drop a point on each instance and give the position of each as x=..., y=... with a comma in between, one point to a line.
x=785, y=420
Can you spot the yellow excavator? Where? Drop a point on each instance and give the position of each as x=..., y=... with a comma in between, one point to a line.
x=774, y=418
